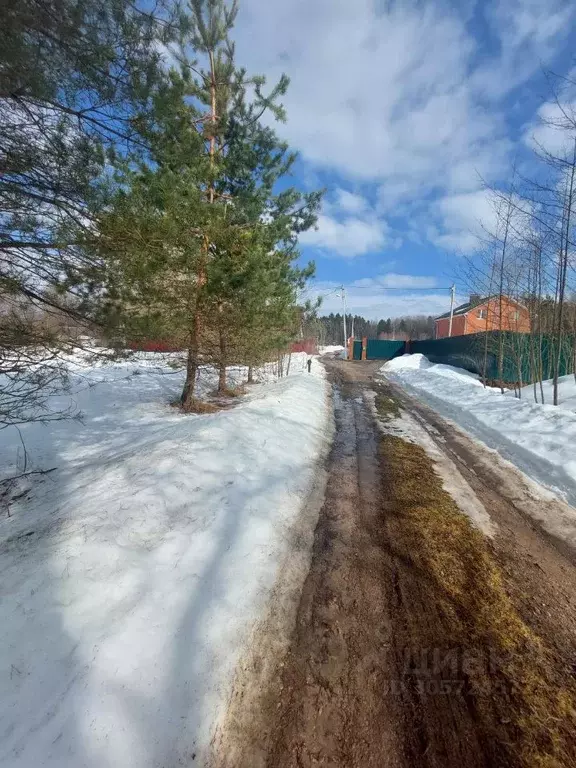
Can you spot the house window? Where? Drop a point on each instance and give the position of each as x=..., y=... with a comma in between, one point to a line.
x=515, y=316
x=482, y=314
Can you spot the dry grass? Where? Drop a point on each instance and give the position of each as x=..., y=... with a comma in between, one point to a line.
x=199, y=407
x=386, y=406
x=230, y=392
x=524, y=689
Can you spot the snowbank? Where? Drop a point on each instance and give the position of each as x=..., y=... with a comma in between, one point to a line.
x=421, y=363
x=566, y=392
x=538, y=439
x=406, y=363
x=133, y=573
x=331, y=349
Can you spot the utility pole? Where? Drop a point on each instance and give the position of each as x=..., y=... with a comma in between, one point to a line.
x=344, y=322
x=452, y=293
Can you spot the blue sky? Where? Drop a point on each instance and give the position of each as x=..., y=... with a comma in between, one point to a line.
x=401, y=110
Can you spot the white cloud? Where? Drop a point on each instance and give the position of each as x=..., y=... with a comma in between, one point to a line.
x=553, y=129
x=348, y=227
x=400, y=94
x=397, y=194
x=529, y=23
x=374, y=94
x=394, y=92
x=394, y=280
x=464, y=220
x=350, y=202
x=467, y=221
x=349, y=237
x=529, y=32
x=468, y=209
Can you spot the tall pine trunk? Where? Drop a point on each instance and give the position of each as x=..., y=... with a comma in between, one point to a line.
x=223, y=359
x=187, y=399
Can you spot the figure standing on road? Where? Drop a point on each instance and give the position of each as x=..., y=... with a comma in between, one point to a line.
x=309, y=363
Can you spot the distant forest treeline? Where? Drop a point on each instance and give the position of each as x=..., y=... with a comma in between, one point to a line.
x=330, y=328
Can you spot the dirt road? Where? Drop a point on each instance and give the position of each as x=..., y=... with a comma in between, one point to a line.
x=419, y=641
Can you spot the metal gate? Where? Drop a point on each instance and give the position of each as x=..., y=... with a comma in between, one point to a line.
x=380, y=349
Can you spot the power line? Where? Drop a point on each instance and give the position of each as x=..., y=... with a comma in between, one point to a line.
x=352, y=287
x=324, y=293
x=386, y=288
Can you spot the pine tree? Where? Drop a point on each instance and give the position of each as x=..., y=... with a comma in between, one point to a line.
x=152, y=234
x=75, y=76
x=252, y=280
x=202, y=243
x=244, y=161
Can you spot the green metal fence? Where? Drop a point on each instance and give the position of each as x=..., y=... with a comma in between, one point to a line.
x=522, y=357
x=380, y=349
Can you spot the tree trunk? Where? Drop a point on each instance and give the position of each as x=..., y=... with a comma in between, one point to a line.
x=532, y=343
x=540, y=332
x=187, y=399
x=500, y=298
x=533, y=372
x=485, y=361
x=212, y=144
x=222, y=364
x=563, y=268
x=574, y=351
x=558, y=319
x=573, y=342
x=250, y=379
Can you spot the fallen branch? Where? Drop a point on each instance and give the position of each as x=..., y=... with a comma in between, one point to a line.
x=25, y=474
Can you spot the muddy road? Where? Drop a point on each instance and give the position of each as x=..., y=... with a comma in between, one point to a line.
x=420, y=641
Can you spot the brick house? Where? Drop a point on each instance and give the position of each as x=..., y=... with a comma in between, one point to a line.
x=483, y=314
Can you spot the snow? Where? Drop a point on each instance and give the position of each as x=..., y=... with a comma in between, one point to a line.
x=538, y=439
x=331, y=349
x=420, y=363
x=133, y=574
x=566, y=392
x=406, y=363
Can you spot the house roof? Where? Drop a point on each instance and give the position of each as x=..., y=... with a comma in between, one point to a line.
x=463, y=309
